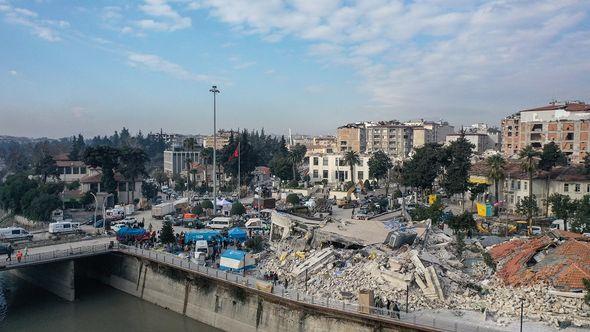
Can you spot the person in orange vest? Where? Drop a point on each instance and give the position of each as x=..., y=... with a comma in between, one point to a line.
x=19, y=255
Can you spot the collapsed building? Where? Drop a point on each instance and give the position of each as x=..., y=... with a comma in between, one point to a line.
x=337, y=259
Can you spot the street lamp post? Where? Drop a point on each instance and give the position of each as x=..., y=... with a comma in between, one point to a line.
x=215, y=91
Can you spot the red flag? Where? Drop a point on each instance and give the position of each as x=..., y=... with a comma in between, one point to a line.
x=234, y=155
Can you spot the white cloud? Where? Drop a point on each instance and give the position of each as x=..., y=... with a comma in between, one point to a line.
x=157, y=64
x=436, y=55
x=244, y=65
x=165, y=18
x=13, y=72
x=44, y=29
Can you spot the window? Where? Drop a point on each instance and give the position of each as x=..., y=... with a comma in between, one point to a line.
x=15, y=231
x=315, y=161
x=325, y=174
x=325, y=161
x=68, y=170
x=577, y=187
x=525, y=184
x=569, y=137
x=82, y=170
x=566, y=187
x=315, y=173
x=518, y=185
x=342, y=142
x=76, y=170
x=360, y=175
x=588, y=188
x=361, y=162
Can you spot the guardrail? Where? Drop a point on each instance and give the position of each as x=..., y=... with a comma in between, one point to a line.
x=418, y=320
x=56, y=255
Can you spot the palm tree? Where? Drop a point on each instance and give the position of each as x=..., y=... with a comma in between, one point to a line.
x=207, y=156
x=188, y=171
x=352, y=158
x=496, y=172
x=132, y=166
x=194, y=172
x=528, y=163
x=296, y=155
x=190, y=143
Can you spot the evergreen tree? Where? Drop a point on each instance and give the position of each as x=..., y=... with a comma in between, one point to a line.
x=423, y=168
x=563, y=207
x=457, y=162
x=167, y=232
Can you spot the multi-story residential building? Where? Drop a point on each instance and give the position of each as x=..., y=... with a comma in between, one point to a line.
x=480, y=141
x=222, y=139
x=333, y=168
x=391, y=137
x=567, y=124
x=429, y=132
x=351, y=137
x=175, y=161
x=70, y=170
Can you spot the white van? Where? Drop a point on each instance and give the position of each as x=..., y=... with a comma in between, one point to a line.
x=536, y=230
x=62, y=227
x=15, y=233
x=219, y=223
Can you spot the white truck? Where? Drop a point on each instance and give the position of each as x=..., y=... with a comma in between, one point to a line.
x=63, y=227
x=161, y=210
x=14, y=234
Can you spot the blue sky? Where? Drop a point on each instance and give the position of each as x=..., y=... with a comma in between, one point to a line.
x=93, y=67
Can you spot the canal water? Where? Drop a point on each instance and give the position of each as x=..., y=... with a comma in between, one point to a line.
x=98, y=308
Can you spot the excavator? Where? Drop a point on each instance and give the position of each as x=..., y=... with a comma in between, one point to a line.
x=346, y=202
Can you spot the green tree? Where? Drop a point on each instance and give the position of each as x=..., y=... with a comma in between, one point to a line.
x=207, y=156
x=149, y=190
x=179, y=183
x=293, y=199
x=587, y=289
x=281, y=167
x=190, y=143
x=563, y=207
x=379, y=166
x=528, y=163
x=237, y=209
x=457, y=163
x=77, y=149
x=132, y=165
x=497, y=173
x=586, y=164
x=581, y=220
x=295, y=157
x=527, y=207
x=207, y=204
x=351, y=158
x=160, y=176
x=550, y=157
x=73, y=185
x=46, y=167
x=423, y=168
x=476, y=189
x=434, y=212
x=462, y=222
x=107, y=158
x=167, y=232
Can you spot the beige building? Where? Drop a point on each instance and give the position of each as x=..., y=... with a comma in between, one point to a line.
x=332, y=168
x=429, y=132
x=222, y=139
x=567, y=124
x=351, y=137
x=391, y=137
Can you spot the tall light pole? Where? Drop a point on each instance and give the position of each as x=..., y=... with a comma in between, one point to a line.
x=215, y=91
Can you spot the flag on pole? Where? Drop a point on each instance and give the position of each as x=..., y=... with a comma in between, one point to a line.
x=236, y=154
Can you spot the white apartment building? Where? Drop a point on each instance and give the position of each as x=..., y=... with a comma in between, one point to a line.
x=175, y=161
x=333, y=169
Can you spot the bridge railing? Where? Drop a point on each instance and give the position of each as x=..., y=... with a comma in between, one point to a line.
x=56, y=255
x=418, y=319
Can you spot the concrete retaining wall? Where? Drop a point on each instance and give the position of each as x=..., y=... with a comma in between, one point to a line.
x=221, y=305
x=58, y=278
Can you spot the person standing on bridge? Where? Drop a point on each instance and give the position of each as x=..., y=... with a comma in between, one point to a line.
x=9, y=251
x=26, y=253
x=19, y=255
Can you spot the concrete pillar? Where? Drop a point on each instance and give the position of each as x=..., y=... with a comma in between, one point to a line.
x=57, y=278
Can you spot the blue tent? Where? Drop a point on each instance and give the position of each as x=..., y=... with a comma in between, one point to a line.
x=237, y=233
x=126, y=231
x=202, y=234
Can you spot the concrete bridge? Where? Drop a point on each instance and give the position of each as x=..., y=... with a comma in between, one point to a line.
x=173, y=283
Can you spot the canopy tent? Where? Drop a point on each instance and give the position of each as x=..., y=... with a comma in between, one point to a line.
x=204, y=234
x=236, y=260
x=237, y=233
x=254, y=223
x=223, y=202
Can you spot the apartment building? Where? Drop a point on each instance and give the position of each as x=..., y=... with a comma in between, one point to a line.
x=351, y=137
x=332, y=168
x=567, y=124
x=391, y=137
x=222, y=139
x=175, y=161
x=480, y=141
x=429, y=132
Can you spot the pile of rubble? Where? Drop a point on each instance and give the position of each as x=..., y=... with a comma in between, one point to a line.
x=431, y=273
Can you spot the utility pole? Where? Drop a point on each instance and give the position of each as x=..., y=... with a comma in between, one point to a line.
x=215, y=91
x=239, y=165
x=521, y=312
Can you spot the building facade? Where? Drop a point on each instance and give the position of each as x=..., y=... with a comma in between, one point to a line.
x=566, y=124
x=481, y=142
x=391, y=137
x=351, y=137
x=333, y=168
x=222, y=139
x=175, y=161
x=424, y=132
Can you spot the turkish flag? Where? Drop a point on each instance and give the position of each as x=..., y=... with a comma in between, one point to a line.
x=235, y=154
